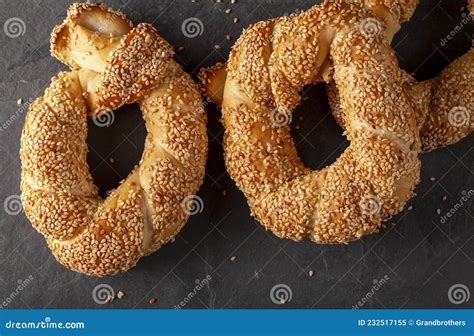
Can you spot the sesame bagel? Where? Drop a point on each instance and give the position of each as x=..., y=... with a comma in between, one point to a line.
x=112, y=64
x=443, y=105
x=271, y=62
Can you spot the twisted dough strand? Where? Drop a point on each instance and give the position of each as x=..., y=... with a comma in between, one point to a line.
x=113, y=65
x=268, y=66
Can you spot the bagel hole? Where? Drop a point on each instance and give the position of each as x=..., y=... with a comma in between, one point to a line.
x=318, y=138
x=116, y=149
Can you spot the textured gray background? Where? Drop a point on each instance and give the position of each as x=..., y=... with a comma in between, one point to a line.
x=421, y=256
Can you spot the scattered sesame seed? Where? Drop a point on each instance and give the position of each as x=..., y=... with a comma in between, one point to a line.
x=233, y=258
x=120, y=295
x=432, y=179
x=438, y=211
x=311, y=273
x=445, y=198
x=236, y=20
x=152, y=301
x=228, y=10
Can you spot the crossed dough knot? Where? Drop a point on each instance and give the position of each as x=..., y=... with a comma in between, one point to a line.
x=259, y=87
x=112, y=64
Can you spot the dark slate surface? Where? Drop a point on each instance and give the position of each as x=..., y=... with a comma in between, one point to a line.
x=420, y=255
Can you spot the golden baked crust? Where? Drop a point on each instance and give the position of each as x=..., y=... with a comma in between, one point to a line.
x=114, y=64
x=373, y=179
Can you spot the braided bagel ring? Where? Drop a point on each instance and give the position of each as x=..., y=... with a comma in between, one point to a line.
x=443, y=105
x=373, y=179
x=113, y=64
